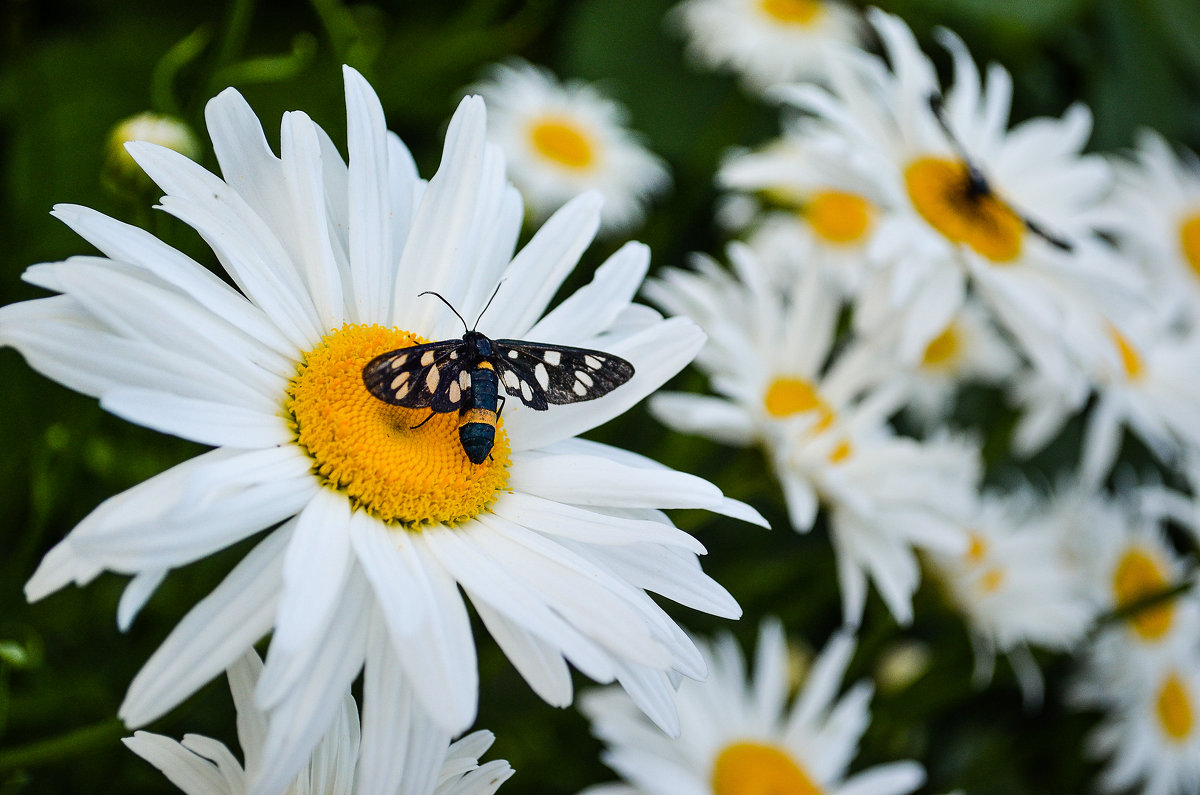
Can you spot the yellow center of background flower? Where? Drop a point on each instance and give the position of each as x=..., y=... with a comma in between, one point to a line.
x=562, y=141
x=1139, y=576
x=1189, y=240
x=787, y=396
x=977, y=548
x=838, y=217
x=791, y=12
x=1174, y=708
x=944, y=350
x=371, y=451
x=941, y=192
x=758, y=769
x=1131, y=362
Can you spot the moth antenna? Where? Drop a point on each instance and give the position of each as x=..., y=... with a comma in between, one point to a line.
x=447, y=303
x=489, y=303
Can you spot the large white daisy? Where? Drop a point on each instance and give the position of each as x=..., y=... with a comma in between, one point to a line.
x=428, y=761
x=562, y=139
x=767, y=42
x=743, y=737
x=822, y=416
x=377, y=523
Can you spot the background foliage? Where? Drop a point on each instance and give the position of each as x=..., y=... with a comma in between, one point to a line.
x=71, y=69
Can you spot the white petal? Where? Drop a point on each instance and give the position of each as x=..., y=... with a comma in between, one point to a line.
x=704, y=415
x=589, y=480
x=539, y=663
x=593, y=308
x=243, y=676
x=204, y=421
x=395, y=573
x=136, y=594
x=184, y=769
x=372, y=247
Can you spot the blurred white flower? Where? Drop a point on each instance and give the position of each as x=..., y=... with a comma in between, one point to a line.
x=428, y=762
x=767, y=42
x=743, y=736
x=562, y=139
x=378, y=516
x=822, y=416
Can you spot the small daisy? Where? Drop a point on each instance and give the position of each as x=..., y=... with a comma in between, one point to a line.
x=379, y=517
x=1016, y=587
x=564, y=139
x=743, y=737
x=767, y=42
x=822, y=418
x=970, y=201
x=428, y=761
x=1154, y=211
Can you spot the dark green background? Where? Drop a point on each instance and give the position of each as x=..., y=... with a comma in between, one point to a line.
x=70, y=69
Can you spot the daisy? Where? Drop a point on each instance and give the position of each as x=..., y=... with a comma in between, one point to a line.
x=822, y=418
x=1016, y=587
x=428, y=762
x=969, y=201
x=767, y=42
x=742, y=736
x=379, y=517
x=564, y=139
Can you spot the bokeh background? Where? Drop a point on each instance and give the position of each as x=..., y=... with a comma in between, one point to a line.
x=71, y=69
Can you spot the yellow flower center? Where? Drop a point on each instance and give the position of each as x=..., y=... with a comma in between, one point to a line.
x=840, y=453
x=791, y=12
x=944, y=350
x=1131, y=361
x=991, y=581
x=977, y=548
x=562, y=141
x=838, y=217
x=1174, y=708
x=1140, y=575
x=401, y=465
x=750, y=768
x=787, y=396
x=945, y=195
x=1189, y=240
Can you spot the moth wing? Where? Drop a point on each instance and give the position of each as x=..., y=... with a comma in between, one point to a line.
x=421, y=376
x=557, y=374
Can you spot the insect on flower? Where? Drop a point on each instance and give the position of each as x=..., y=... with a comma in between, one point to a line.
x=464, y=376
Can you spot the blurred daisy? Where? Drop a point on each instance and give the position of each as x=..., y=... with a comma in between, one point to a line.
x=822, y=418
x=742, y=736
x=796, y=210
x=379, y=516
x=1154, y=212
x=1016, y=587
x=564, y=139
x=767, y=42
x=970, y=201
x=427, y=761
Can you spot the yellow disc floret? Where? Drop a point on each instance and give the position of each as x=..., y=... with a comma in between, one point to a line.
x=945, y=350
x=562, y=141
x=1189, y=241
x=944, y=193
x=755, y=768
x=787, y=396
x=1174, y=708
x=791, y=12
x=838, y=217
x=404, y=466
x=1140, y=575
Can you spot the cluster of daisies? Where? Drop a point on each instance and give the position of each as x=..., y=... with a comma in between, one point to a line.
x=898, y=242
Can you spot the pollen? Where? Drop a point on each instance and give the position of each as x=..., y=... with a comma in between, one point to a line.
x=788, y=396
x=753, y=768
x=562, y=141
x=1139, y=575
x=404, y=466
x=1189, y=241
x=944, y=194
x=791, y=12
x=1174, y=708
x=945, y=350
x=838, y=217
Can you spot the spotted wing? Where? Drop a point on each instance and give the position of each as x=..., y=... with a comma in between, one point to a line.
x=543, y=374
x=436, y=375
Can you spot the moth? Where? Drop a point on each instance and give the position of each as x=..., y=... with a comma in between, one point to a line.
x=465, y=375
x=978, y=186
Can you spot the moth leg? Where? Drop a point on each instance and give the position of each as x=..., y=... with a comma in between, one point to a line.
x=422, y=422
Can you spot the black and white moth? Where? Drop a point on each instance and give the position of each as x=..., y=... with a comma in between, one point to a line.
x=464, y=375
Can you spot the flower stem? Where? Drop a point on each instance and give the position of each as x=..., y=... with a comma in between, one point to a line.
x=80, y=741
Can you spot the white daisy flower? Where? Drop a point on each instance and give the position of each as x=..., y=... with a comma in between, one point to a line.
x=1154, y=211
x=380, y=518
x=428, y=762
x=562, y=139
x=822, y=420
x=767, y=42
x=1016, y=587
x=800, y=205
x=742, y=736
x=970, y=201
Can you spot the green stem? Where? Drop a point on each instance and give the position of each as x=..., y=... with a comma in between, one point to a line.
x=80, y=741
